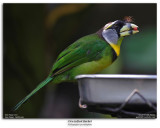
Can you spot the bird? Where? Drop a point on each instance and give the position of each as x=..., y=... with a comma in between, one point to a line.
x=88, y=55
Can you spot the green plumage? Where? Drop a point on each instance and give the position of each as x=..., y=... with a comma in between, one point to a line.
x=70, y=62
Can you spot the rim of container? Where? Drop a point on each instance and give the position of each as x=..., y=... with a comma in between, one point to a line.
x=119, y=76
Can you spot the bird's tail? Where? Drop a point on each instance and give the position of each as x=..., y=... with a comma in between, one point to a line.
x=42, y=84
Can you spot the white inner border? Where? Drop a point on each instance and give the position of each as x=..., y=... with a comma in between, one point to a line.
x=96, y=123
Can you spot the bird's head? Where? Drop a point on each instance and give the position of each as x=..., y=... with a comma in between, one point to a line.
x=114, y=32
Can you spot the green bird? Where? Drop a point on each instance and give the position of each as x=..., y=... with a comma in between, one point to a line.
x=88, y=55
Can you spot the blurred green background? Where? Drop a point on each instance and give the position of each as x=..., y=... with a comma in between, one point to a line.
x=34, y=35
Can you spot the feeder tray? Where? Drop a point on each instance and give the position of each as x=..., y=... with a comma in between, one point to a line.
x=123, y=96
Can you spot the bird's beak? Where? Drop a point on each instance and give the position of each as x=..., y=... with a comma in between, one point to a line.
x=128, y=29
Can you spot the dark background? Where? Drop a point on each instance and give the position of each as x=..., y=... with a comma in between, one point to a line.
x=34, y=35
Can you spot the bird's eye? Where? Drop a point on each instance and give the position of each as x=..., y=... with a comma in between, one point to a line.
x=116, y=25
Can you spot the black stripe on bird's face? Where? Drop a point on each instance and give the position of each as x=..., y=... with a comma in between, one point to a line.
x=117, y=26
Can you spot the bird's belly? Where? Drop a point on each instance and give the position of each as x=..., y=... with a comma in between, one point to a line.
x=93, y=66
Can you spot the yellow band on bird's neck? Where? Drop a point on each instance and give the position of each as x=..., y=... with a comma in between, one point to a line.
x=116, y=48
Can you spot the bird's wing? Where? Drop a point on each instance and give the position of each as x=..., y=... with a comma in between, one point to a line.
x=78, y=53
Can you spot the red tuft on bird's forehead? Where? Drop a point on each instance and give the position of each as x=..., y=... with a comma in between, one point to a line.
x=128, y=19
